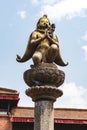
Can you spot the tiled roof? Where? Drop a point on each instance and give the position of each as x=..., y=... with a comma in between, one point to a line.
x=5, y=91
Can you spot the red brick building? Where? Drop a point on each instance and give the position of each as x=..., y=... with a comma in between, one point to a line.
x=13, y=117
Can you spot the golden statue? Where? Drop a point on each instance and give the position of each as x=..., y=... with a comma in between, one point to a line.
x=43, y=45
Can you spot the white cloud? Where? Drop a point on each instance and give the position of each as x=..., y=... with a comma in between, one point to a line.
x=73, y=96
x=65, y=8
x=84, y=37
x=44, y=1
x=85, y=50
x=35, y=1
x=22, y=14
x=49, y=1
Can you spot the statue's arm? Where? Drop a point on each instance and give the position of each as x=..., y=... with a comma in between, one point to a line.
x=36, y=38
x=53, y=40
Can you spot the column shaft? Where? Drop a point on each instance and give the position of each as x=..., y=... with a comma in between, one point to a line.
x=44, y=115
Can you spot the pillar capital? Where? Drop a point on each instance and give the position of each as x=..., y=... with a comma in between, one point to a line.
x=38, y=93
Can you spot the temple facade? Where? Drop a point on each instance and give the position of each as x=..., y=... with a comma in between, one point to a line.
x=13, y=117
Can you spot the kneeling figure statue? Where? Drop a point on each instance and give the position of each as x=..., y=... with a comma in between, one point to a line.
x=43, y=45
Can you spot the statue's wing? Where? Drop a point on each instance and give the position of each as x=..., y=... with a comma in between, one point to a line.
x=59, y=60
x=28, y=53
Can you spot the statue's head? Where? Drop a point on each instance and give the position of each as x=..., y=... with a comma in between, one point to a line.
x=43, y=23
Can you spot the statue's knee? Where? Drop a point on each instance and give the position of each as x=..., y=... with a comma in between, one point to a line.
x=54, y=47
x=37, y=57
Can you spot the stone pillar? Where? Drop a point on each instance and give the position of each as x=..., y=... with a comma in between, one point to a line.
x=44, y=81
x=44, y=115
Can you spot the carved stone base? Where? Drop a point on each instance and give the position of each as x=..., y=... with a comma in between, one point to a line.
x=44, y=74
x=43, y=93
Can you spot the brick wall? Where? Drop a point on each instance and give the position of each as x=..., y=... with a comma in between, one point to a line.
x=5, y=123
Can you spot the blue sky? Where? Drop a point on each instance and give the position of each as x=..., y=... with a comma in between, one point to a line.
x=18, y=19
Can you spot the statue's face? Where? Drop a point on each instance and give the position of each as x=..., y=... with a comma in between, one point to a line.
x=44, y=22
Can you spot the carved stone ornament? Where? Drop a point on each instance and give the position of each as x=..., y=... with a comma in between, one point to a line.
x=44, y=74
x=43, y=81
x=44, y=93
